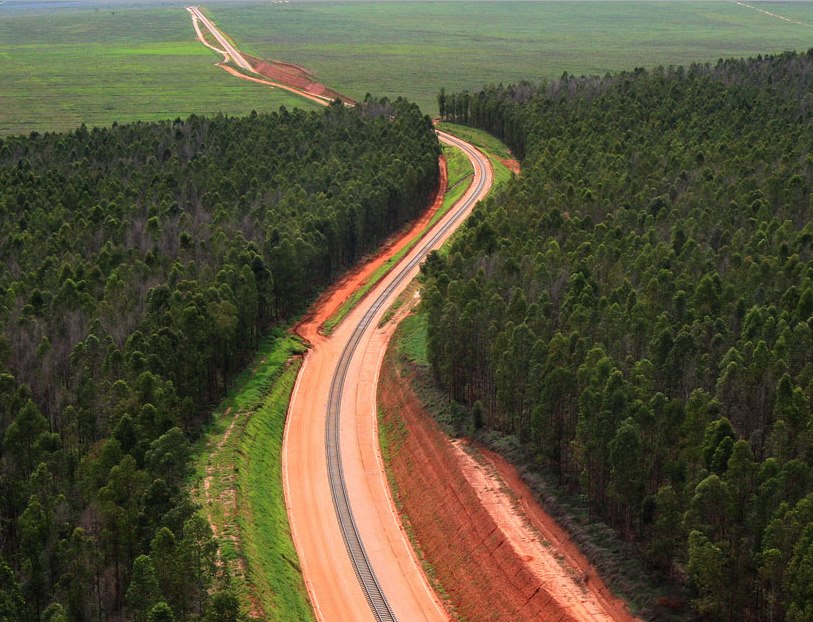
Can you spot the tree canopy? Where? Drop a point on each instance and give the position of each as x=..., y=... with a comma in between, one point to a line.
x=140, y=265
x=637, y=308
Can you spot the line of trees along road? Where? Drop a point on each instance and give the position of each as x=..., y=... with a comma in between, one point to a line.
x=140, y=266
x=637, y=308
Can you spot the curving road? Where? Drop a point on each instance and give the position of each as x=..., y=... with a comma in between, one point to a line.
x=228, y=48
x=356, y=558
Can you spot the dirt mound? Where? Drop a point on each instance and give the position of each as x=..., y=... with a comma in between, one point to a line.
x=511, y=165
x=474, y=533
x=295, y=76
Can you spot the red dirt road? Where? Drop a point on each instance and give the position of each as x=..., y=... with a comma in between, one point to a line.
x=333, y=587
x=294, y=83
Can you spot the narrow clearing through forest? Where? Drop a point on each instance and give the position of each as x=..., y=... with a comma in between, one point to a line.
x=330, y=577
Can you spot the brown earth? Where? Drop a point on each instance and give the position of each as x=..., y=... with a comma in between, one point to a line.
x=314, y=98
x=295, y=76
x=333, y=297
x=495, y=552
x=512, y=165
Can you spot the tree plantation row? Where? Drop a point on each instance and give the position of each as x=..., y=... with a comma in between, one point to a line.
x=140, y=266
x=637, y=308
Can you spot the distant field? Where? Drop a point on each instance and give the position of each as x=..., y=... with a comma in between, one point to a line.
x=414, y=48
x=68, y=62
x=62, y=64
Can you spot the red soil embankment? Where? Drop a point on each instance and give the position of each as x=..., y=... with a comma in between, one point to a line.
x=295, y=76
x=483, y=579
x=332, y=299
x=476, y=534
x=556, y=535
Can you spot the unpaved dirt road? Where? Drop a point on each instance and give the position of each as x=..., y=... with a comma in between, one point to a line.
x=335, y=591
x=233, y=54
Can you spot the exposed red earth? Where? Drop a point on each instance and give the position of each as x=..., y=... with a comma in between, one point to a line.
x=296, y=76
x=335, y=592
x=486, y=572
x=511, y=165
x=498, y=555
x=332, y=299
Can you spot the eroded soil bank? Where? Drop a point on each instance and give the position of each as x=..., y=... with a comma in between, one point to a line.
x=493, y=551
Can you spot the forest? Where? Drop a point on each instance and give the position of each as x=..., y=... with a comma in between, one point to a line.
x=139, y=266
x=637, y=309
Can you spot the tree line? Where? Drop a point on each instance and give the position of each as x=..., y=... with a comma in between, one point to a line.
x=637, y=308
x=140, y=265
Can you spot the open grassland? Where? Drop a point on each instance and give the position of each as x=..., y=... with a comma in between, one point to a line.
x=238, y=481
x=412, y=49
x=64, y=64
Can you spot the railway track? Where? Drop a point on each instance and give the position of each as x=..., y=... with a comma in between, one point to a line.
x=380, y=606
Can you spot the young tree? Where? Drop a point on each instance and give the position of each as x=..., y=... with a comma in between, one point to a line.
x=144, y=592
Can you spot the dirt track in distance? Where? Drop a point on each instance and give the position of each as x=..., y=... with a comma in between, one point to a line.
x=508, y=580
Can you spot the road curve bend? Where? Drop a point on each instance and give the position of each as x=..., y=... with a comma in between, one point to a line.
x=357, y=561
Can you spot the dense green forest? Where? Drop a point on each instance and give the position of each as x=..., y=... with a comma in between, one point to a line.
x=637, y=308
x=140, y=265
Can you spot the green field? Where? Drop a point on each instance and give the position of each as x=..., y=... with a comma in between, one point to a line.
x=68, y=63
x=96, y=62
x=414, y=48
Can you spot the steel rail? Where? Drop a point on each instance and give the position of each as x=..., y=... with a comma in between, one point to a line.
x=355, y=547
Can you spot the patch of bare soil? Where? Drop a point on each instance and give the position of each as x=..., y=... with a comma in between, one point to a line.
x=512, y=165
x=333, y=297
x=294, y=76
x=496, y=554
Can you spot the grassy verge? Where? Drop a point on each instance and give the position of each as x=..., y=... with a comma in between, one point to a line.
x=478, y=138
x=460, y=172
x=273, y=564
x=493, y=147
x=239, y=483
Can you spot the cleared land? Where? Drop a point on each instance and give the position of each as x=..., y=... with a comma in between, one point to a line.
x=64, y=63
x=414, y=48
x=68, y=63
x=494, y=552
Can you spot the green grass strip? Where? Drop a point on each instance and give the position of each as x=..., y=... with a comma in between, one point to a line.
x=460, y=172
x=272, y=561
x=240, y=454
x=493, y=147
x=412, y=339
x=479, y=138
